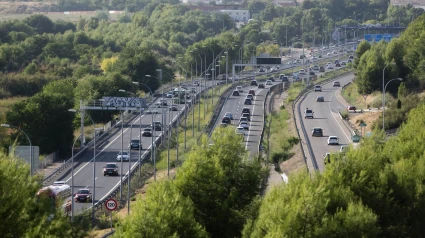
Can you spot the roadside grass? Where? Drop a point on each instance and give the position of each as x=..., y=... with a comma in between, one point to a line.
x=279, y=141
x=373, y=100
x=294, y=90
x=192, y=136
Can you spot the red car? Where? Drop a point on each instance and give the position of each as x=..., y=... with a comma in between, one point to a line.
x=351, y=108
x=252, y=92
x=83, y=195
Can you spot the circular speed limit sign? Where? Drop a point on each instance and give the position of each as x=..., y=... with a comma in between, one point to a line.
x=111, y=204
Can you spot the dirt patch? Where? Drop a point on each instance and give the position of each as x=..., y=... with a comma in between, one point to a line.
x=367, y=117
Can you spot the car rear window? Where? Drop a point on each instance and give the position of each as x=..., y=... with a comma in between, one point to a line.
x=308, y=111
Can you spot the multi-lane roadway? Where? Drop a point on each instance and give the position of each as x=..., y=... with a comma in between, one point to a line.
x=107, y=150
x=326, y=116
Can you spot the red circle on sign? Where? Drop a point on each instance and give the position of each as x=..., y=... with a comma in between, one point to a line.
x=111, y=204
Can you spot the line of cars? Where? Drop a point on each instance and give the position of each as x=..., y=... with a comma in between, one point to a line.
x=318, y=131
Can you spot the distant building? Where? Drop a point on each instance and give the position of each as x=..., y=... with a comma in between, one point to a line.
x=414, y=3
x=237, y=15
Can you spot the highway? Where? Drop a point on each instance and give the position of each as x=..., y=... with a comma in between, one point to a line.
x=106, y=151
x=235, y=104
x=325, y=116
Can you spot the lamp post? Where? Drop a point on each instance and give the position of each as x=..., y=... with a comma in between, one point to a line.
x=72, y=176
x=140, y=135
x=314, y=33
x=94, y=159
x=383, y=93
x=122, y=147
x=153, y=128
x=213, y=76
x=383, y=101
x=170, y=131
x=29, y=141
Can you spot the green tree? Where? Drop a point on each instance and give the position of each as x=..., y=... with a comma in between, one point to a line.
x=221, y=182
x=361, y=49
x=23, y=214
x=40, y=23
x=46, y=120
x=164, y=212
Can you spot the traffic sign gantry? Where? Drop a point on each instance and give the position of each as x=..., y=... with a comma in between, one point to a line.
x=111, y=204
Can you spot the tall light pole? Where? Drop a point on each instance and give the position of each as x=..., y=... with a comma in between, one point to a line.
x=383, y=101
x=383, y=94
x=153, y=129
x=122, y=148
x=200, y=94
x=170, y=130
x=94, y=159
x=29, y=141
x=140, y=135
x=213, y=76
x=72, y=176
x=314, y=33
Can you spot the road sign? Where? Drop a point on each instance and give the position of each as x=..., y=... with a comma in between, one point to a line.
x=355, y=138
x=111, y=204
x=365, y=96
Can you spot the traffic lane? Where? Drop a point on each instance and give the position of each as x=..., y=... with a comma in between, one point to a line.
x=256, y=123
x=325, y=117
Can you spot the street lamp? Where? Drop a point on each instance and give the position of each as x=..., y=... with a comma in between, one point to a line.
x=122, y=147
x=383, y=101
x=29, y=141
x=94, y=162
x=140, y=134
x=314, y=32
x=72, y=176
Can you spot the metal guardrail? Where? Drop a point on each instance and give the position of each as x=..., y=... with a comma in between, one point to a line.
x=302, y=95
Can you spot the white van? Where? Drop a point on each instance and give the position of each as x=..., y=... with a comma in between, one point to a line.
x=281, y=76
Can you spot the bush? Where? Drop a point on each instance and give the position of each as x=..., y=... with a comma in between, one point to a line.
x=344, y=115
x=293, y=140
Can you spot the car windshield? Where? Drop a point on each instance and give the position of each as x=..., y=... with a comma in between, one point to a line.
x=317, y=129
x=308, y=111
x=83, y=191
x=147, y=129
x=135, y=141
x=111, y=166
x=333, y=138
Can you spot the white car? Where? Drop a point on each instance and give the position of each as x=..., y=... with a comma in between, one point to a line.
x=125, y=156
x=240, y=130
x=330, y=67
x=317, y=88
x=269, y=82
x=244, y=125
x=328, y=53
x=308, y=113
x=59, y=183
x=243, y=119
x=239, y=88
x=333, y=140
x=302, y=71
x=229, y=115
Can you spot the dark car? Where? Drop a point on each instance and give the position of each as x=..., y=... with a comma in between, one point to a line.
x=147, y=132
x=261, y=85
x=320, y=99
x=157, y=126
x=317, y=132
x=337, y=65
x=248, y=101
x=83, y=195
x=254, y=83
x=312, y=73
x=110, y=169
x=173, y=108
x=235, y=93
x=351, y=57
x=285, y=79
x=135, y=144
x=246, y=110
x=252, y=92
x=271, y=79
x=247, y=115
x=226, y=120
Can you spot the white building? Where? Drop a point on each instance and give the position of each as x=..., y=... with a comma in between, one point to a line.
x=237, y=15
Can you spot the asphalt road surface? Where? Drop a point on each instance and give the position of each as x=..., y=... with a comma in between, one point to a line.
x=325, y=116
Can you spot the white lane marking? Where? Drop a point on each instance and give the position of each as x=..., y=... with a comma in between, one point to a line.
x=348, y=138
x=134, y=122
x=249, y=127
